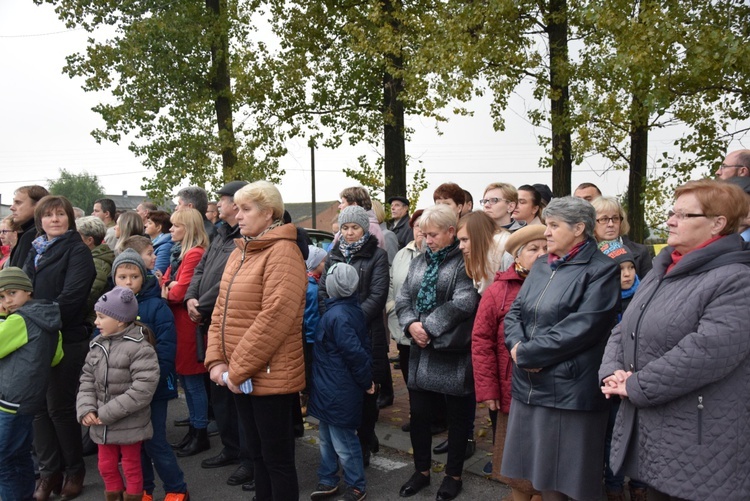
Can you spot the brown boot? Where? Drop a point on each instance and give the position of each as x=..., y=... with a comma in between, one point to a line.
x=132, y=497
x=48, y=485
x=114, y=496
x=638, y=493
x=73, y=485
x=615, y=495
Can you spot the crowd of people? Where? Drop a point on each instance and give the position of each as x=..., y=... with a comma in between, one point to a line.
x=598, y=364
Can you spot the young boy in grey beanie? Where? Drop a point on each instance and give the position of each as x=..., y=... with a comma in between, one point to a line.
x=341, y=376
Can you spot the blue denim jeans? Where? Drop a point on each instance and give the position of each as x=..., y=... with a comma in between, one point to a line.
x=196, y=399
x=158, y=451
x=340, y=445
x=16, y=466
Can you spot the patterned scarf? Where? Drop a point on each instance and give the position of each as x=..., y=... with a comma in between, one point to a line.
x=427, y=295
x=348, y=250
x=41, y=244
x=275, y=224
x=175, y=259
x=555, y=261
x=522, y=272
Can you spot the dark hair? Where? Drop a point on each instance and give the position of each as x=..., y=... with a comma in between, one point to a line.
x=159, y=217
x=108, y=206
x=196, y=196
x=357, y=195
x=452, y=191
x=537, y=198
x=34, y=192
x=50, y=203
x=468, y=198
x=583, y=186
x=138, y=243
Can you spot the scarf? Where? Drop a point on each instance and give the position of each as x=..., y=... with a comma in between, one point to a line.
x=175, y=259
x=275, y=224
x=522, y=272
x=41, y=244
x=626, y=293
x=677, y=257
x=348, y=250
x=555, y=261
x=427, y=295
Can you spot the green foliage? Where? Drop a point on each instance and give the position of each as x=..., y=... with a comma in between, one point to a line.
x=81, y=189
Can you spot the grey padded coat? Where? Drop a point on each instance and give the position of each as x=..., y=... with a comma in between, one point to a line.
x=684, y=427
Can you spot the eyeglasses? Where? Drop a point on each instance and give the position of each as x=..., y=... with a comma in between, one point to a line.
x=7, y=231
x=725, y=166
x=492, y=201
x=683, y=215
x=607, y=220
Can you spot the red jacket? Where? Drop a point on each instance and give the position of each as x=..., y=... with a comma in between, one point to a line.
x=491, y=359
x=186, y=361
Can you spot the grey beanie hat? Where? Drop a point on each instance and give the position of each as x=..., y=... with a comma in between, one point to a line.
x=129, y=256
x=119, y=303
x=342, y=280
x=315, y=257
x=355, y=214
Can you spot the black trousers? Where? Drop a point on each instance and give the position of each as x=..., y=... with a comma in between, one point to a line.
x=230, y=427
x=423, y=405
x=267, y=424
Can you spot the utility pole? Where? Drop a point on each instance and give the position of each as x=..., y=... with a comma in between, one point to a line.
x=312, y=178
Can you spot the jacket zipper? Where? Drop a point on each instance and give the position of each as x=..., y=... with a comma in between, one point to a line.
x=106, y=383
x=533, y=330
x=226, y=303
x=700, y=419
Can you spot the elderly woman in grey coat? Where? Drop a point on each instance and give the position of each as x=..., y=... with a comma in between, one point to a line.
x=436, y=307
x=556, y=332
x=680, y=358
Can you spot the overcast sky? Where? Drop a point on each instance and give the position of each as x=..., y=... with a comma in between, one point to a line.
x=46, y=122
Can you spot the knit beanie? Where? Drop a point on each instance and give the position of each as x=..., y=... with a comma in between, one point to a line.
x=315, y=257
x=617, y=251
x=14, y=278
x=119, y=303
x=355, y=214
x=129, y=256
x=342, y=280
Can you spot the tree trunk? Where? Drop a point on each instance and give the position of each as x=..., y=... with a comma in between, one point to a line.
x=559, y=73
x=221, y=86
x=393, y=121
x=638, y=165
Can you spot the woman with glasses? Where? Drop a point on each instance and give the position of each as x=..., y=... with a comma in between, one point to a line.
x=499, y=202
x=8, y=238
x=556, y=331
x=680, y=358
x=611, y=232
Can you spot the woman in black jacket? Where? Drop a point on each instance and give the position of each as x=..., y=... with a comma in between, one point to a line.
x=556, y=332
x=359, y=248
x=62, y=270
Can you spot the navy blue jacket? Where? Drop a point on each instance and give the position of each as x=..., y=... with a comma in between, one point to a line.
x=154, y=312
x=341, y=371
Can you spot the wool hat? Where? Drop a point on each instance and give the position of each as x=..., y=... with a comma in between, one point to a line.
x=13, y=278
x=403, y=200
x=119, y=303
x=616, y=250
x=342, y=280
x=315, y=257
x=231, y=188
x=354, y=214
x=129, y=256
x=521, y=237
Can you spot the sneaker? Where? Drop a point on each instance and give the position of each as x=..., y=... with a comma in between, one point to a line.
x=323, y=491
x=487, y=469
x=176, y=496
x=353, y=494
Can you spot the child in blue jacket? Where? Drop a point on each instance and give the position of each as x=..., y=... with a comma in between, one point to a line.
x=341, y=375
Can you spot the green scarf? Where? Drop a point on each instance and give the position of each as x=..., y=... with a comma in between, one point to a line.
x=427, y=295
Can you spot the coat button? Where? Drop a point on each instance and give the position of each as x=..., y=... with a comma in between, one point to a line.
x=632, y=335
x=632, y=367
x=643, y=305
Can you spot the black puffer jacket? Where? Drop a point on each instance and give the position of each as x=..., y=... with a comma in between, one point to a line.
x=371, y=263
x=23, y=246
x=204, y=286
x=64, y=274
x=562, y=319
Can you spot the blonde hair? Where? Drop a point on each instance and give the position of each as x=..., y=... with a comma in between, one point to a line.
x=379, y=211
x=440, y=216
x=509, y=191
x=481, y=229
x=611, y=204
x=130, y=224
x=195, y=233
x=263, y=194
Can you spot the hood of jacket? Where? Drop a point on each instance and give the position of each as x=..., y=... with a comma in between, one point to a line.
x=39, y=313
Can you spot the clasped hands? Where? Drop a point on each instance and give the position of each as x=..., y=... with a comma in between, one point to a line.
x=215, y=374
x=419, y=335
x=615, y=384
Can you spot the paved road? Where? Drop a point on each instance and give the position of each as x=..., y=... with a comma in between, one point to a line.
x=390, y=468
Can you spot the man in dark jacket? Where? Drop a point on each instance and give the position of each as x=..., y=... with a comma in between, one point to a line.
x=400, y=220
x=200, y=299
x=22, y=209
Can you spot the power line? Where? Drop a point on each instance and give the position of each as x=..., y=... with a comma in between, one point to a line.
x=32, y=35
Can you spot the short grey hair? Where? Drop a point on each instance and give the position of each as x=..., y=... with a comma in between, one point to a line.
x=92, y=226
x=440, y=216
x=196, y=196
x=572, y=210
